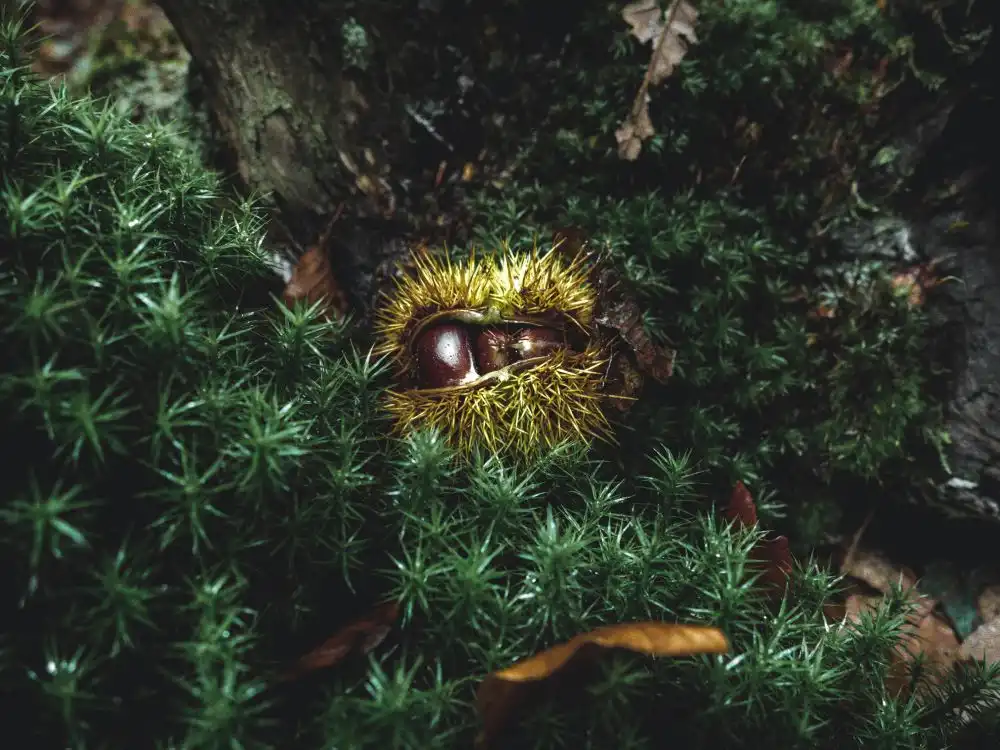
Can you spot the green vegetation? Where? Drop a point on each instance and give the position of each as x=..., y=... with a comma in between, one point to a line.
x=198, y=486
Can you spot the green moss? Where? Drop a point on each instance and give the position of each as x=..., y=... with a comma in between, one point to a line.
x=764, y=134
x=199, y=486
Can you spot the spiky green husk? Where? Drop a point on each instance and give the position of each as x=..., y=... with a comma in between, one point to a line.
x=505, y=283
x=522, y=413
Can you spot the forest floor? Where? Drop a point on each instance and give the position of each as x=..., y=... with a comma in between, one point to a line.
x=128, y=50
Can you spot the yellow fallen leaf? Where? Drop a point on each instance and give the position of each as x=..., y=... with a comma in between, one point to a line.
x=652, y=638
x=503, y=691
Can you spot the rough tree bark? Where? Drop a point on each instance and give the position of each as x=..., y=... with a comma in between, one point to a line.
x=299, y=128
x=302, y=128
x=965, y=240
x=949, y=217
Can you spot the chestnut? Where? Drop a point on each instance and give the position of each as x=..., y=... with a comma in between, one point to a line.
x=444, y=356
x=491, y=349
x=536, y=342
x=505, y=353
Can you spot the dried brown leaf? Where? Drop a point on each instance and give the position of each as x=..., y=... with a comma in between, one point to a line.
x=774, y=556
x=646, y=19
x=935, y=641
x=878, y=571
x=312, y=278
x=631, y=134
x=881, y=574
x=741, y=508
x=983, y=644
x=677, y=37
x=313, y=281
x=360, y=636
x=671, y=33
x=618, y=312
x=651, y=638
x=771, y=556
x=988, y=603
x=629, y=143
x=925, y=635
x=503, y=691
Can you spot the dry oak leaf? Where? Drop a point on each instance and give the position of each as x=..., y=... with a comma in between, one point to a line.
x=878, y=572
x=983, y=644
x=988, y=602
x=312, y=281
x=925, y=635
x=503, y=691
x=646, y=19
x=670, y=33
x=359, y=636
x=632, y=133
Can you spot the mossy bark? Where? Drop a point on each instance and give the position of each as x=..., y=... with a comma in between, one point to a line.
x=299, y=128
x=963, y=238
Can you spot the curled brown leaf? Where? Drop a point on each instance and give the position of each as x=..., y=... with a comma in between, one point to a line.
x=983, y=644
x=671, y=33
x=618, y=312
x=502, y=692
x=926, y=639
x=771, y=556
x=360, y=636
x=312, y=279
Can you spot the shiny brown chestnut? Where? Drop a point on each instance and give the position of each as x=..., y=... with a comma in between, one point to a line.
x=444, y=356
x=491, y=349
x=536, y=342
x=497, y=347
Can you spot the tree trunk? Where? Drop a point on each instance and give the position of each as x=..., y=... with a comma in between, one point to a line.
x=299, y=129
x=948, y=218
x=964, y=238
